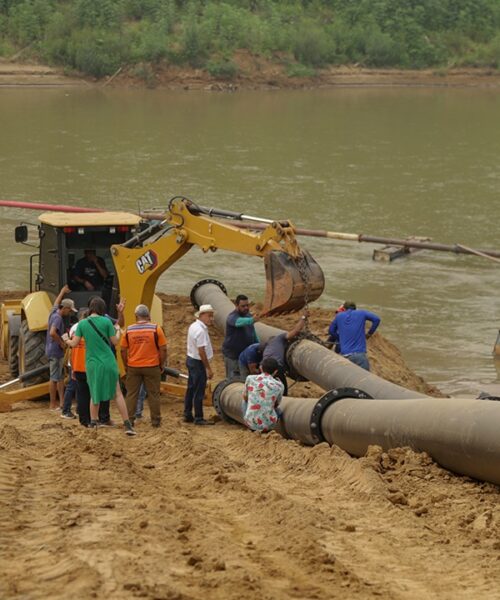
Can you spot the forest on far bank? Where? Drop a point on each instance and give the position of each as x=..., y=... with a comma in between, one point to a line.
x=96, y=37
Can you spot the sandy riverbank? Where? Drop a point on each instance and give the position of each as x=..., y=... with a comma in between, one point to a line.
x=254, y=73
x=222, y=513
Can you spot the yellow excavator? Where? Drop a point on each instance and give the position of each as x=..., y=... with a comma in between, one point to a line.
x=135, y=252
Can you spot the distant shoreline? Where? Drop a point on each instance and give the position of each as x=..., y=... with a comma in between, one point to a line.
x=257, y=76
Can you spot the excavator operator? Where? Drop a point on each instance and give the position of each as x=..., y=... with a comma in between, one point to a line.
x=90, y=271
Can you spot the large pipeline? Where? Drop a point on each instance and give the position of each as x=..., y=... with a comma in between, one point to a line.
x=376, y=239
x=459, y=434
x=46, y=206
x=305, y=358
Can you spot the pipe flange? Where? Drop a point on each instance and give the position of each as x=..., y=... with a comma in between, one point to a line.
x=327, y=400
x=203, y=282
x=217, y=393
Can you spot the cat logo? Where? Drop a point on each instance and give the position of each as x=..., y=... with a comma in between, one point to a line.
x=148, y=261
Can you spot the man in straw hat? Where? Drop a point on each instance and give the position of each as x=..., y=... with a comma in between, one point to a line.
x=199, y=354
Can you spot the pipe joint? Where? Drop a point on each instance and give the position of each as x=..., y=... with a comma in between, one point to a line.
x=326, y=401
x=217, y=394
x=196, y=286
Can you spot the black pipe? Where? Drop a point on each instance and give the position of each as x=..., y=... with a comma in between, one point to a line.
x=227, y=399
x=306, y=358
x=330, y=370
x=34, y=372
x=459, y=434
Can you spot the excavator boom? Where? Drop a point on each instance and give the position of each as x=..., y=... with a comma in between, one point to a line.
x=293, y=277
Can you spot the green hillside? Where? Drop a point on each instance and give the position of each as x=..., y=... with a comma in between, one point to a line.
x=96, y=37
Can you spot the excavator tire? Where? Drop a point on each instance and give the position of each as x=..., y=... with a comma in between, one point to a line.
x=14, y=355
x=32, y=353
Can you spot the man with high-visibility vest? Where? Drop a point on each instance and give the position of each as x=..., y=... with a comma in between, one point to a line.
x=144, y=354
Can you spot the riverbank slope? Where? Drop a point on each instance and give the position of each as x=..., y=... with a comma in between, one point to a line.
x=254, y=73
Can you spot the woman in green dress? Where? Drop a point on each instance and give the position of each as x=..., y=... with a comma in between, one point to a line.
x=100, y=362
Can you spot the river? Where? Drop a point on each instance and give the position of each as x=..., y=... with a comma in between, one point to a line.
x=383, y=161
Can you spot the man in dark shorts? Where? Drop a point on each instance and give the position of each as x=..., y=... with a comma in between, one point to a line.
x=55, y=346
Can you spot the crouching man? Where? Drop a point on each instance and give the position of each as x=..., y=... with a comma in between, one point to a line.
x=261, y=398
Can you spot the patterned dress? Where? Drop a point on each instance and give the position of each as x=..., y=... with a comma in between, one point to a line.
x=264, y=393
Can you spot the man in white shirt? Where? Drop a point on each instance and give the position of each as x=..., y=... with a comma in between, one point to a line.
x=199, y=354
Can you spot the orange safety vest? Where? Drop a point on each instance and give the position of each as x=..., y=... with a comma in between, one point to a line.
x=143, y=341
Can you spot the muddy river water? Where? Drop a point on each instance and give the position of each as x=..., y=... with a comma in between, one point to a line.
x=382, y=161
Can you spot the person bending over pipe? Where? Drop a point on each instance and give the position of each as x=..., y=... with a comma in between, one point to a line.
x=277, y=346
x=348, y=328
x=250, y=359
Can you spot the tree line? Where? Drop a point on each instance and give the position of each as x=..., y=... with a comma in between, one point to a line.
x=96, y=37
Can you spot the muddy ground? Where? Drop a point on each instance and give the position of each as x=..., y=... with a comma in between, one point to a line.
x=223, y=513
x=253, y=73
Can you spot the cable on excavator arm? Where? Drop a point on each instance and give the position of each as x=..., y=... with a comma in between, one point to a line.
x=293, y=277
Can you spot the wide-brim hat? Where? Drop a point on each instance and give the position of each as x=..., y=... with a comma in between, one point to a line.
x=204, y=308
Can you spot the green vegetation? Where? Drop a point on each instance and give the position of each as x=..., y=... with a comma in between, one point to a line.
x=96, y=37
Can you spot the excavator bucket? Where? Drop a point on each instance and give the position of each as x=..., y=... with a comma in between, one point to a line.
x=291, y=283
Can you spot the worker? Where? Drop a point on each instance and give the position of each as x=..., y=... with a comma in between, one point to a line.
x=78, y=374
x=104, y=411
x=277, y=346
x=348, y=328
x=100, y=362
x=261, y=397
x=90, y=271
x=55, y=346
x=144, y=355
x=240, y=333
x=250, y=359
x=330, y=342
x=199, y=355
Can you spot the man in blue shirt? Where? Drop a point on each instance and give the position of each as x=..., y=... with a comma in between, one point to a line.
x=277, y=346
x=55, y=346
x=348, y=328
x=250, y=359
x=240, y=333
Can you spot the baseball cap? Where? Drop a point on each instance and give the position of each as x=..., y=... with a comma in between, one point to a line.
x=68, y=303
x=204, y=308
